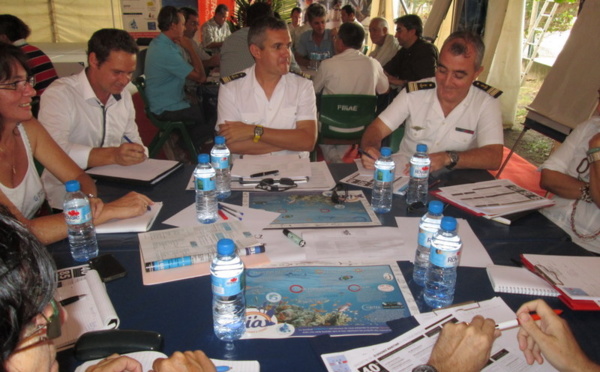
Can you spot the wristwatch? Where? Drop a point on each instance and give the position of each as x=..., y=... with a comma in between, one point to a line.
x=593, y=157
x=424, y=368
x=258, y=132
x=453, y=159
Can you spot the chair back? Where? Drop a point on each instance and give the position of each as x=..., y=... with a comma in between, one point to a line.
x=346, y=116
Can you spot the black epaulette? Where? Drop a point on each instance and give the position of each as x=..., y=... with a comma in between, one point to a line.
x=227, y=79
x=302, y=74
x=413, y=86
x=488, y=89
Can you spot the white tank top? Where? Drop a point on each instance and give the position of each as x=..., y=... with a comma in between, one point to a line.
x=29, y=195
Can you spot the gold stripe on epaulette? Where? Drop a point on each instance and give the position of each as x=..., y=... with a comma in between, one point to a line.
x=227, y=79
x=494, y=92
x=301, y=74
x=414, y=86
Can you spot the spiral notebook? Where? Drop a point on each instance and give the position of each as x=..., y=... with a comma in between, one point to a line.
x=519, y=280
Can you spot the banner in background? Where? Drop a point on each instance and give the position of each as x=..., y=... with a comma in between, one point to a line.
x=206, y=9
x=139, y=17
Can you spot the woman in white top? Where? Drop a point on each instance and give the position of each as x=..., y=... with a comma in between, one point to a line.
x=23, y=138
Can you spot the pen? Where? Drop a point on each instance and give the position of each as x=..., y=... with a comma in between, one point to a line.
x=127, y=139
x=366, y=153
x=172, y=263
x=515, y=322
x=293, y=237
x=262, y=174
x=70, y=300
x=223, y=215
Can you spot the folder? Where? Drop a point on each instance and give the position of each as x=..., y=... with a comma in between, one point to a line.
x=148, y=172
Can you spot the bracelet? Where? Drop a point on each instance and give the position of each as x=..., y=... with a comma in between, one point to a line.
x=91, y=196
x=585, y=193
x=592, y=150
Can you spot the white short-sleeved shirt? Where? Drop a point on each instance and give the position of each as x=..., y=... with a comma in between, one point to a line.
x=213, y=33
x=474, y=123
x=244, y=100
x=565, y=160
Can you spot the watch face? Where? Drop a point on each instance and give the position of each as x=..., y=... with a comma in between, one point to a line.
x=258, y=131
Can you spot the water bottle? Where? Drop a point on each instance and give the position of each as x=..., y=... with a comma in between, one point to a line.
x=419, y=176
x=206, y=196
x=381, y=198
x=81, y=231
x=228, y=286
x=443, y=261
x=429, y=225
x=219, y=158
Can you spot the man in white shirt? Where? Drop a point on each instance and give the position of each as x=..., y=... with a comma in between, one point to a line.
x=91, y=114
x=216, y=30
x=265, y=109
x=348, y=14
x=385, y=45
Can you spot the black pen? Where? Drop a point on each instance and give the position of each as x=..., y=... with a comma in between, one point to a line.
x=262, y=174
x=70, y=300
x=366, y=153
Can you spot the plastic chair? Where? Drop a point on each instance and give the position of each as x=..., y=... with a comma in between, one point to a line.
x=165, y=128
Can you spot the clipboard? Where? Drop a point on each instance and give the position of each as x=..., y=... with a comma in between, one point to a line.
x=146, y=173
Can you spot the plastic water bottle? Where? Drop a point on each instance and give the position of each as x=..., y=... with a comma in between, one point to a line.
x=443, y=261
x=81, y=231
x=429, y=225
x=228, y=286
x=219, y=158
x=381, y=198
x=419, y=176
x=206, y=196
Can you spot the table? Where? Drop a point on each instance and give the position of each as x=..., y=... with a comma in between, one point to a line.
x=181, y=311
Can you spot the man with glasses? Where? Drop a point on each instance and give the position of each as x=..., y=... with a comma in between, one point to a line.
x=91, y=115
x=216, y=29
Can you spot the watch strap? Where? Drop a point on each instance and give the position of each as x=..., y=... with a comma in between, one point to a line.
x=258, y=132
x=424, y=368
x=594, y=156
x=453, y=159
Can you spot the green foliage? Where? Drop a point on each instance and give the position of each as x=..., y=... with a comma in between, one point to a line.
x=283, y=7
x=563, y=18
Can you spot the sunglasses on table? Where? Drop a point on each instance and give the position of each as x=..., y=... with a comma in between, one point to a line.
x=270, y=184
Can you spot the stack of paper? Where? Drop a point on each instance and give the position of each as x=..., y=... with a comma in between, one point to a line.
x=252, y=169
x=364, y=177
x=492, y=198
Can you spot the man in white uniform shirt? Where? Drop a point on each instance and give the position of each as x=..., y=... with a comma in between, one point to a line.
x=385, y=45
x=458, y=118
x=265, y=109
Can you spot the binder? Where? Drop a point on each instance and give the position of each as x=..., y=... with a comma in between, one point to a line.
x=148, y=172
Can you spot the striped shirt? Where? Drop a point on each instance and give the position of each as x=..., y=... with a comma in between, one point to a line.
x=40, y=65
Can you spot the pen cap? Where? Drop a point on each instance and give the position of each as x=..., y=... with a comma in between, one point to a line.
x=225, y=247
x=72, y=185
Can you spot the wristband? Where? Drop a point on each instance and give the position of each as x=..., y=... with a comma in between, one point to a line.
x=593, y=150
x=593, y=156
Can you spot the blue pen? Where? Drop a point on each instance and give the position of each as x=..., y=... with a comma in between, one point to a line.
x=127, y=139
x=172, y=263
x=366, y=154
x=223, y=368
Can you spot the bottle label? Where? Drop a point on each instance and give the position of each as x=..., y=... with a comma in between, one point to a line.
x=77, y=216
x=425, y=238
x=382, y=175
x=205, y=184
x=227, y=286
x=443, y=258
x=221, y=162
x=419, y=171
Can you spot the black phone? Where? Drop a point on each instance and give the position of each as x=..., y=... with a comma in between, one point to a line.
x=107, y=267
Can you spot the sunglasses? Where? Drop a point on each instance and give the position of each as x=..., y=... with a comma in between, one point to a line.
x=270, y=184
x=336, y=198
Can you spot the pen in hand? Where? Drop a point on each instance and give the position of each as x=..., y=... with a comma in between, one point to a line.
x=366, y=154
x=127, y=139
x=515, y=322
x=70, y=300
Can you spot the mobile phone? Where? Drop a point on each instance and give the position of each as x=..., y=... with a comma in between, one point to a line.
x=107, y=267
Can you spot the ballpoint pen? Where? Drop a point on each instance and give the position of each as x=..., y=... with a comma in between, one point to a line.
x=70, y=300
x=515, y=322
x=127, y=139
x=262, y=174
x=366, y=153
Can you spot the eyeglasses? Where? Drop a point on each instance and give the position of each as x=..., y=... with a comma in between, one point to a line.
x=43, y=332
x=19, y=84
x=336, y=198
x=270, y=184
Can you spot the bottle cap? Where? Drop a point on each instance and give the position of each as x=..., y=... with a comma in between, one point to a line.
x=436, y=206
x=225, y=247
x=421, y=147
x=203, y=158
x=386, y=151
x=72, y=185
x=448, y=223
x=219, y=140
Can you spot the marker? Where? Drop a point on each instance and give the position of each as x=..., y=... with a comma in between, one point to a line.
x=70, y=300
x=223, y=215
x=195, y=259
x=366, y=154
x=127, y=139
x=293, y=237
x=515, y=322
x=262, y=174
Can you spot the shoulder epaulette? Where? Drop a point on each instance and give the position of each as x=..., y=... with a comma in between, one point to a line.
x=488, y=89
x=227, y=79
x=302, y=74
x=413, y=86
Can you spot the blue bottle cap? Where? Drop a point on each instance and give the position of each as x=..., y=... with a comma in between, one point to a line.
x=448, y=223
x=386, y=151
x=421, y=147
x=203, y=158
x=436, y=206
x=225, y=247
x=219, y=140
x=72, y=185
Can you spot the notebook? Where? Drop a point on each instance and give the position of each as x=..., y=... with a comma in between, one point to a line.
x=519, y=280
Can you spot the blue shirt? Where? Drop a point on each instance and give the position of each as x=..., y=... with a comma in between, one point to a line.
x=306, y=45
x=165, y=70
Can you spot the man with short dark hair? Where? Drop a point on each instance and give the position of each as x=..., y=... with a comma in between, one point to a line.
x=317, y=40
x=91, y=115
x=457, y=117
x=216, y=29
x=191, y=27
x=265, y=109
x=349, y=16
x=416, y=60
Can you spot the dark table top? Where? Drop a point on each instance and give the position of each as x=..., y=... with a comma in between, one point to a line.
x=181, y=311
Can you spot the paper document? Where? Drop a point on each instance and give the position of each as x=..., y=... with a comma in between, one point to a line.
x=364, y=178
x=134, y=224
x=150, y=171
x=290, y=166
